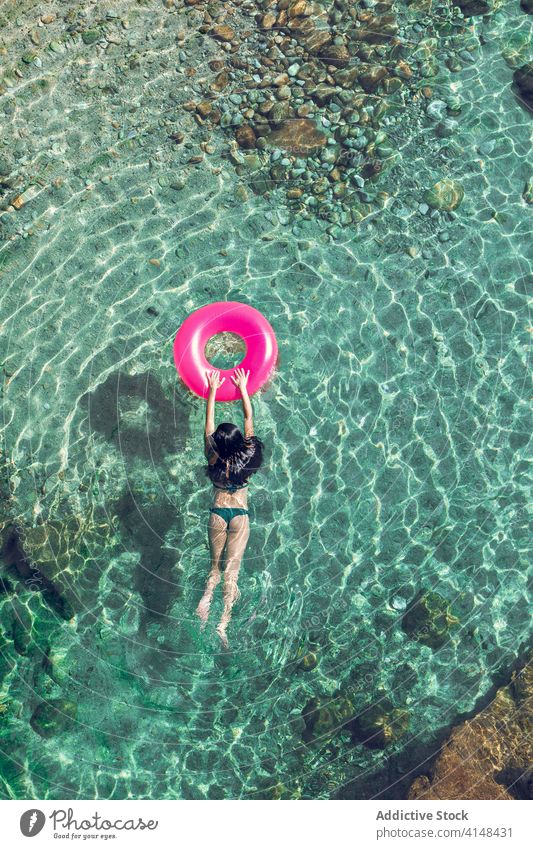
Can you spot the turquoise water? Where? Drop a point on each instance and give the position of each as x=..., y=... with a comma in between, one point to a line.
x=397, y=424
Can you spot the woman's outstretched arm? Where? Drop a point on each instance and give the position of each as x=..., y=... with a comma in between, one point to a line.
x=240, y=379
x=214, y=381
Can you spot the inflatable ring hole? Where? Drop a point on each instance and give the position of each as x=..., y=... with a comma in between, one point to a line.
x=225, y=350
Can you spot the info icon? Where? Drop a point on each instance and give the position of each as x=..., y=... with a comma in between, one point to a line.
x=32, y=822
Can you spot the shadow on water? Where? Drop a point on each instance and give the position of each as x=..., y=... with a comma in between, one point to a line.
x=133, y=412
x=143, y=529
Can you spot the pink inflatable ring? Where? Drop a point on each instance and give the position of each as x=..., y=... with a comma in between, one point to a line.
x=225, y=316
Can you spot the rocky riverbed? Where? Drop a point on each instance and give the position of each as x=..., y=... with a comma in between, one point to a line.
x=491, y=755
x=314, y=104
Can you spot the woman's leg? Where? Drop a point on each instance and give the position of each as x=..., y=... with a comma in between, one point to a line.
x=238, y=533
x=217, y=532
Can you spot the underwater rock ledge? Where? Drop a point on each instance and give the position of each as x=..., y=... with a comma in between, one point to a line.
x=491, y=755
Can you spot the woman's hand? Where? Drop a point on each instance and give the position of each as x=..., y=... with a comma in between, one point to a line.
x=213, y=379
x=240, y=378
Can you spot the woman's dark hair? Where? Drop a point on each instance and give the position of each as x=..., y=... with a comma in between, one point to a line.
x=238, y=456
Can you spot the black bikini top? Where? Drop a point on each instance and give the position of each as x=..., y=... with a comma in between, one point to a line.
x=230, y=487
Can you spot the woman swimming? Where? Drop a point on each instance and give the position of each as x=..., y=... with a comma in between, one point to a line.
x=231, y=459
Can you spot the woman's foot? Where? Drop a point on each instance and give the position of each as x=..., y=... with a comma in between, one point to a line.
x=221, y=631
x=202, y=611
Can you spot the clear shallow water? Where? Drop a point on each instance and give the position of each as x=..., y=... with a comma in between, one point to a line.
x=397, y=430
